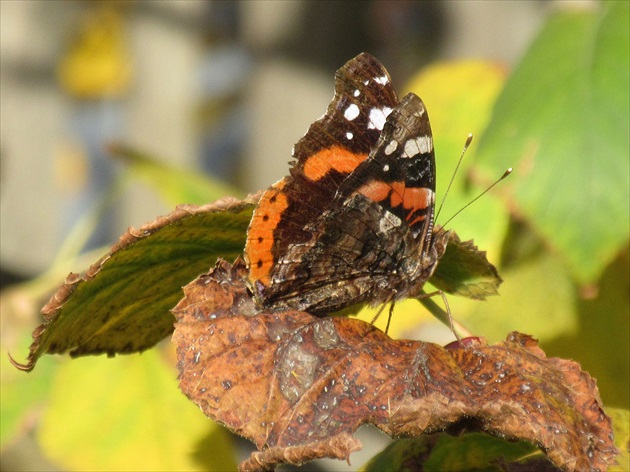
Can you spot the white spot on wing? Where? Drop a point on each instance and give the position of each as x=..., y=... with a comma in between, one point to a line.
x=351, y=112
x=357, y=92
x=381, y=80
x=411, y=148
x=421, y=144
x=349, y=135
x=425, y=143
x=391, y=147
x=389, y=222
x=378, y=117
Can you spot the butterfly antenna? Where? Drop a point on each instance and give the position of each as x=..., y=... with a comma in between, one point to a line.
x=461, y=157
x=505, y=174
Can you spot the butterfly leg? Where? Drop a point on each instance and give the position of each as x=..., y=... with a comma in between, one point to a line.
x=445, y=316
x=389, y=318
x=392, y=302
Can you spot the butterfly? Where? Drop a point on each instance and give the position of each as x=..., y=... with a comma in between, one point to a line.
x=353, y=222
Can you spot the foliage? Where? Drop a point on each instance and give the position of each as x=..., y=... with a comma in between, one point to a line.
x=559, y=227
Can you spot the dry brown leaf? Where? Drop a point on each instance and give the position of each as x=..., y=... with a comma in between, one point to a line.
x=299, y=386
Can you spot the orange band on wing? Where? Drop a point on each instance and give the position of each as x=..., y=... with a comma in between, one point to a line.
x=412, y=199
x=377, y=191
x=333, y=158
x=416, y=200
x=260, y=233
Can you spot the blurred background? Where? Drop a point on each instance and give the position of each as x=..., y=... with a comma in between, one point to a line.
x=221, y=88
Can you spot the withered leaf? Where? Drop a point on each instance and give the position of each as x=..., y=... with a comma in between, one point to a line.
x=299, y=386
x=122, y=303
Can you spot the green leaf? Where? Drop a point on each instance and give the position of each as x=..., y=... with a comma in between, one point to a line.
x=439, y=452
x=175, y=185
x=122, y=303
x=563, y=123
x=127, y=414
x=464, y=270
x=621, y=427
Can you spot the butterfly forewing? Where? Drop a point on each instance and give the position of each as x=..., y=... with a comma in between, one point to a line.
x=332, y=148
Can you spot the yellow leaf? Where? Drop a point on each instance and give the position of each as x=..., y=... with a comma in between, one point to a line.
x=97, y=64
x=127, y=414
x=459, y=95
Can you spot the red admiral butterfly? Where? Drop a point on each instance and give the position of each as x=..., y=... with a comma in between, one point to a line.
x=353, y=222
